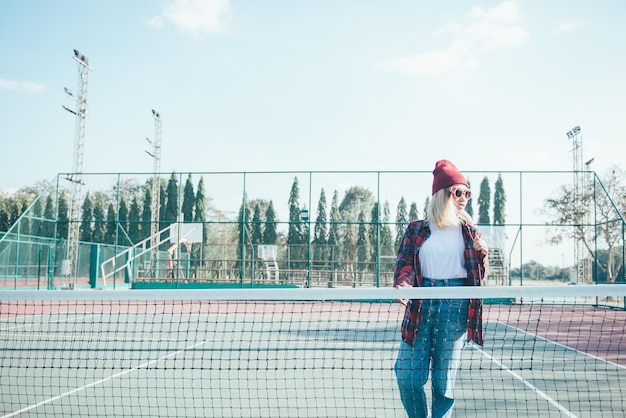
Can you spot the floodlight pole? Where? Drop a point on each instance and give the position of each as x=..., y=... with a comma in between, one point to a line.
x=582, y=275
x=156, y=187
x=70, y=267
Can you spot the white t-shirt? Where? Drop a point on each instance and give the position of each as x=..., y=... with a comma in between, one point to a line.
x=441, y=256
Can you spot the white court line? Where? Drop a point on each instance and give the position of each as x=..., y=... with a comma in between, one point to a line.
x=97, y=382
x=532, y=387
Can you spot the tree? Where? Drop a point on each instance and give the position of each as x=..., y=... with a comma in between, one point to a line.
x=111, y=226
x=425, y=208
x=296, y=234
x=49, y=216
x=188, y=200
x=356, y=200
x=484, y=203
x=4, y=214
x=375, y=232
x=200, y=216
x=362, y=245
x=86, y=227
x=269, y=232
x=63, y=217
x=37, y=225
x=413, y=212
x=99, y=218
x=134, y=221
x=242, y=232
x=401, y=221
x=599, y=202
x=499, y=203
x=122, y=221
x=170, y=214
x=146, y=214
x=257, y=222
x=320, y=234
x=15, y=210
x=387, y=247
x=334, y=236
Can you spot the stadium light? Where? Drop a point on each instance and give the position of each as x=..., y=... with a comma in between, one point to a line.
x=81, y=58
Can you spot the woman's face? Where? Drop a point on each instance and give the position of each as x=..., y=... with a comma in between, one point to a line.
x=460, y=195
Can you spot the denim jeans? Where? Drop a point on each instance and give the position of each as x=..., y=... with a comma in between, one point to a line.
x=438, y=348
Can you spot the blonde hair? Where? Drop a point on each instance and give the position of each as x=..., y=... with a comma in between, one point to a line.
x=443, y=212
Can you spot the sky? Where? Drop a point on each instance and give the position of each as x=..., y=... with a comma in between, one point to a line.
x=312, y=85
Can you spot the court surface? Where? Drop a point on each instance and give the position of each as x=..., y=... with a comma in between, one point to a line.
x=192, y=361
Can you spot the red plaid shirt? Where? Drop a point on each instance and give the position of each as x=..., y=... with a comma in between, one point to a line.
x=408, y=272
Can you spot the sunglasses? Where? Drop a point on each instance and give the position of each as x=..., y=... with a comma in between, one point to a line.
x=461, y=192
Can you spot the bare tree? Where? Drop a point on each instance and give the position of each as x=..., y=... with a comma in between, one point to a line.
x=595, y=218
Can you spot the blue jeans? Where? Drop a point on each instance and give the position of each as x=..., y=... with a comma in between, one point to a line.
x=440, y=341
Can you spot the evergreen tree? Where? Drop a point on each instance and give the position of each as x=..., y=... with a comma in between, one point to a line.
x=295, y=235
x=387, y=246
x=146, y=214
x=99, y=219
x=499, y=202
x=401, y=221
x=37, y=226
x=122, y=221
x=362, y=244
x=4, y=215
x=200, y=216
x=484, y=202
x=425, y=208
x=134, y=221
x=49, y=216
x=63, y=217
x=109, y=233
x=86, y=227
x=15, y=210
x=269, y=233
x=334, y=237
x=243, y=219
x=257, y=233
x=188, y=201
x=163, y=222
x=375, y=234
x=170, y=214
x=348, y=249
x=320, y=232
x=413, y=212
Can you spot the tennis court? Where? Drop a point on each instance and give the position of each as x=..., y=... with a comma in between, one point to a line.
x=129, y=353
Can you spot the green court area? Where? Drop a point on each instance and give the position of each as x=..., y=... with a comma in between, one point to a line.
x=285, y=358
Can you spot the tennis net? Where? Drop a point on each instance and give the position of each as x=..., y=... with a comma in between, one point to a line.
x=548, y=351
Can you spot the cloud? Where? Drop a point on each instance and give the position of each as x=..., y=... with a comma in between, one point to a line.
x=565, y=27
x=156, y=22
x=22, y=86
x=194, y=16
x=483, y=31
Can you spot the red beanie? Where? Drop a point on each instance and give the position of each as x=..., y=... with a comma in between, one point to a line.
x=446, y=174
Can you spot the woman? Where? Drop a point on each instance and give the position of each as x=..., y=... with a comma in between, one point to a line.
x=443, y=250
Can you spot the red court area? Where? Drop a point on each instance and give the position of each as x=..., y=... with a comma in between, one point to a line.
x=597, y=331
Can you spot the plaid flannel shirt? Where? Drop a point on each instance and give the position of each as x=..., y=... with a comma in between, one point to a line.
x=408, y=272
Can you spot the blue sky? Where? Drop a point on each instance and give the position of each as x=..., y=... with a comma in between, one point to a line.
x=315, y=85
x=312, y=85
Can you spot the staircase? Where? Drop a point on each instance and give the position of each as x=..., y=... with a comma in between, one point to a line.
x=498, y=268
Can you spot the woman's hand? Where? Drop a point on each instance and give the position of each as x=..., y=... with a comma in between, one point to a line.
x=402, y=301
x=480, y=245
